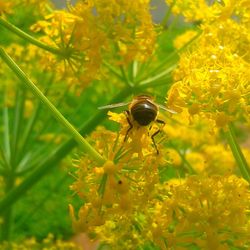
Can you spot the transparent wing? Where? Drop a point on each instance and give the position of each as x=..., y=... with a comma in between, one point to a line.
x=166, y=109
x=116, y=105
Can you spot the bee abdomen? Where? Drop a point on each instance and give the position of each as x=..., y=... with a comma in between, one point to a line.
x=144, y=113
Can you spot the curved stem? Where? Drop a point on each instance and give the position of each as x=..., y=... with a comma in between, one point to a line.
x=28, y=37
x=56, y=156
x=54, y=111
x=237, y=153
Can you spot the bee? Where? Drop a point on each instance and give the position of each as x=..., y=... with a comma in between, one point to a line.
x=143, y=111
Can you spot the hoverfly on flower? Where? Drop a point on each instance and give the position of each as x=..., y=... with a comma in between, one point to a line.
x=142, y=111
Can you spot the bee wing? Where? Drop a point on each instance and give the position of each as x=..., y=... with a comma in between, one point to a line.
x=166, y=109
x=116, y=105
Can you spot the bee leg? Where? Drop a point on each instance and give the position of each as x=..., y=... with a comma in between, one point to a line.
x=129, y=123
x=149, y=130
x=160, y=121
x=153, y=140
x=156, y=133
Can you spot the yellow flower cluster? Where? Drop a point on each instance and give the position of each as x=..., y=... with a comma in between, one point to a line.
x=192, y=10
x=212, y=79
x=39, y=6
x=118, y=189
x=200, y=144
x=126, y=205
x=47, y=244
x=5, y=7
x=204, y=212
x=209, y=11
x=120, y=31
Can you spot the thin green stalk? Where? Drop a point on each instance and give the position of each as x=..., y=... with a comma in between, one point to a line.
x=125, y=77
x=27, y=132
x=159, y=76
x=28, y=37
x=171, y=59
x=17, y=124
x=31, y=123
x=5, y=166
x=188, y=165
x=167, y=15
x=162, y=82
x=47, y=122
x=56, y=156
x=40, y=205
x=237, y=153
x=7, y=215
x=6, y=133
x=86, y=147
x=134, y=70
x=113, y=70
x=185, y=161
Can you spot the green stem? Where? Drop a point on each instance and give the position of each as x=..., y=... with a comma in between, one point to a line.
x=237, y=153
x=7, y=215
x=125, y=77
x=189, y=167
x=6, y=134
x=164, y=73
x=113, y=70
x=169, y=62
x=167, y=15
x=38, y=207
x=17, y=126
x=86, y=147
x=134, y=70
x=29, y=38
x=56, y=156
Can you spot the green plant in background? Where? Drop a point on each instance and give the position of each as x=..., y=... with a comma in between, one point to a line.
x=179, y=185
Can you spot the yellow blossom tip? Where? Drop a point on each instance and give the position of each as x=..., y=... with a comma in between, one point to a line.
x=109, y=167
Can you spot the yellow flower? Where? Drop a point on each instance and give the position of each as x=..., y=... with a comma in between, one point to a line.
x=205, y=211
x=80, y=48
x=184, y=38
x=138, y=139
x=197, y=161
x=114, y=193
x=195, y=10
x=49, y=243
x=190, y=133
x=5, y=7
x=125, y=202
x=173, y=157
x=129, y=25
x=29, y=106
x=201, y=10
x=212, y=80
x=120, y=31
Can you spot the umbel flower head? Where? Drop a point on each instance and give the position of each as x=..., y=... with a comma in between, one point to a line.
x=119, y=188
x=212, y=79
x=91, y=30
x=206, y=212
x=126, y=203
